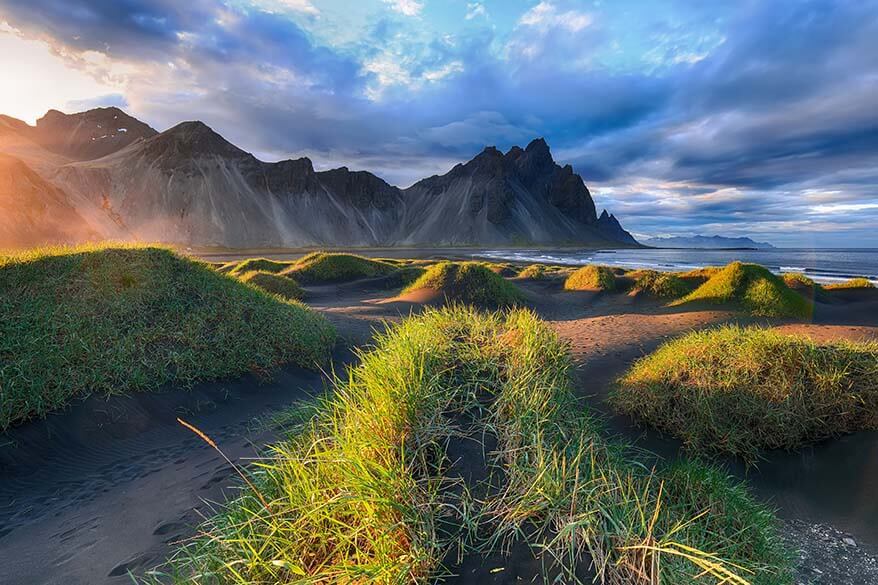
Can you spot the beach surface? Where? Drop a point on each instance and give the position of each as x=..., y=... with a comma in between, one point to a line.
x=110, y=485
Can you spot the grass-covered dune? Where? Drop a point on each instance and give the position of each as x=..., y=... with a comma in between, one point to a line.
x=805, y=286
x=853, y=283
x=254, y=264
x=502, y=268
x=360, y=491
x=469, y=283
x=115, y=319
x=328, y=267
x=591, y=277
x=702, y=274
x=273, y=283
x=753, y=288
x=664, y=285
x=740, y=390
x=534, y=272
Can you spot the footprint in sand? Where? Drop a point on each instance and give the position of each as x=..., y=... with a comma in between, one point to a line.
x=167, y=528
x=130, y=565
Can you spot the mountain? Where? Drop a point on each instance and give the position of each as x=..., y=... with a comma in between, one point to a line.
x=89, y=135
x=706, y=242
x=33, y=210
x=188, y=185
x=521, y=196
x=17, y=140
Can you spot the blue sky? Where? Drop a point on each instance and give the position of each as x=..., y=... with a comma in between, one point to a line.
x=686, y=116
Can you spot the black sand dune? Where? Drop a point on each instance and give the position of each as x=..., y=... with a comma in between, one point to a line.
x=109, y=485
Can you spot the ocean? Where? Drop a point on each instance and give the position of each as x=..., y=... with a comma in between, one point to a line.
x=822, y=265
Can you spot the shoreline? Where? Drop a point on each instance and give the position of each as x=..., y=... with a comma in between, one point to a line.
x=575, y=256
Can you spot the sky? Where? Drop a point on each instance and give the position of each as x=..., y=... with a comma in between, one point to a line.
x=683, y=117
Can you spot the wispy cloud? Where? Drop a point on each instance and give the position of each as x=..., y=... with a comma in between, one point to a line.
x=546, y=16
x=475, y=10
x=407, y=7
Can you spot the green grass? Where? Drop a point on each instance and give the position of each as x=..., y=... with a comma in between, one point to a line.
x=116, y=319
x=360, y=492
x=502, y=268
x=273, y=283
x=534, y=272
x=591, y=277
x=854, y=283
x=664, y=285
x=703, y=274
x=254, y=264
x=738, y=391
x=797, y=280
x=754, y=288
x=804, y=285
x=469, y=283
x=405, y=275
x=326, y=267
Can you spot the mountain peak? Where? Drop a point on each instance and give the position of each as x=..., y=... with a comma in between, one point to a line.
x=192, y=128
x=90, y=134
x=193, y=139
x=538, y=145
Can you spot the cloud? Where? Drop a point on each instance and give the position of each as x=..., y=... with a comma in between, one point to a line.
x=546, y=16
x=692, y=116
x=475, y=9
x=301, y=6
x=102, y=101
x=406, y=7
x=842, y=208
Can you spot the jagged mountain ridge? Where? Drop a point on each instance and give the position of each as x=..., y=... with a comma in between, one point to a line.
x=521, y=196
x=188, y=185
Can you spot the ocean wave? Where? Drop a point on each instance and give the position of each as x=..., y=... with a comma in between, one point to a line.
x=849, y=266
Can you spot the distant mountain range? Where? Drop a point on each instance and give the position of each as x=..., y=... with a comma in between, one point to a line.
x=706, y=242
x=105, y=174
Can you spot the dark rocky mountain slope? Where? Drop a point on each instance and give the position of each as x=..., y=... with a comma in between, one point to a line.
x=188, y=185
x=521, y=197
x=89, y=135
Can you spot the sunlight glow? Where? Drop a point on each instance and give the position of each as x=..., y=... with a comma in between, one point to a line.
x=36, y=80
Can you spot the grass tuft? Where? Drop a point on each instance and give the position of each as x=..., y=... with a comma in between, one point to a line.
x=112, y=319
x=274, y=283
x=326, y=267
x=703, y=274
x=591, y=277
x=754, y=288
x=663, y=285
x=854, y=283
x=534, y=272
x=359, y=493
x=254, y=264
x=739, y=390
x=502, y=268
x=804, y=285
x=469, y=283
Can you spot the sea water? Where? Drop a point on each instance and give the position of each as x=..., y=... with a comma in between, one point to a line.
x=822, y=265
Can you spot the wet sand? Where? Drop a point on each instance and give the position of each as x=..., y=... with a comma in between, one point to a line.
x=110, y=484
